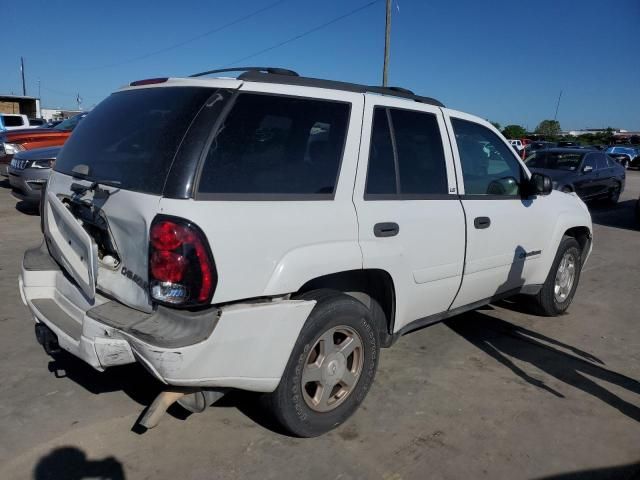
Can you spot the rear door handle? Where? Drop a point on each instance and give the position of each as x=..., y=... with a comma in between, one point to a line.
x=482, y=222
x=386, y=229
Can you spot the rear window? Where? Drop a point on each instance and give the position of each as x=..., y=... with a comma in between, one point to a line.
x=130, y=139
x=12, y=121
x=274, y=146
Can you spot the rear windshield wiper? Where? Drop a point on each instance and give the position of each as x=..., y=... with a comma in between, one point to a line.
x=81, y=171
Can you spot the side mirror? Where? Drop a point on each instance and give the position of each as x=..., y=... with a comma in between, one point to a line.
x=587, y=169
x=540, y=184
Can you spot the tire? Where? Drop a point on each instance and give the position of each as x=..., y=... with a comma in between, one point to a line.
x=548, y=303
x=567, y=189
x=302, y=411
x=614, y=194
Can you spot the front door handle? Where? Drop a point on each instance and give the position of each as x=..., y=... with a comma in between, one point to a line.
x=386, y=229
x=481, y=222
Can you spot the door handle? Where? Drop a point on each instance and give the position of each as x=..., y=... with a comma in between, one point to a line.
x=481, y=222
x=386, y=229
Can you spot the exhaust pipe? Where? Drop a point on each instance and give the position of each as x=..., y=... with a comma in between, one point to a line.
x=194, y=400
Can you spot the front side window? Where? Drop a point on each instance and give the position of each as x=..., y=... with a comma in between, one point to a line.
x=406, y=156
x=589, y=161
x=275, y=145
x=601, y=161
x=489, y=166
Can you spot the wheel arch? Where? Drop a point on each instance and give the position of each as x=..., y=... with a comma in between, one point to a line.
x=582, y=234
x=373, y=287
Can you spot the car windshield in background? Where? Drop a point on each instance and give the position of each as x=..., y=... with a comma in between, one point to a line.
x=555, y=160
x=131, y=138
x=70, y=123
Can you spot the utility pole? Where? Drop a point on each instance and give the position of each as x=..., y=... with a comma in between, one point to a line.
x=555, y=117
x=24, y=88
x=387, y=41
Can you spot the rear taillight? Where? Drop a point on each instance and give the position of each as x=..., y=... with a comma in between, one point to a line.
x=181, y=268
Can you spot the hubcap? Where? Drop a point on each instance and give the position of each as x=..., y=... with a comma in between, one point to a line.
x=565, y=276
x=332, y=368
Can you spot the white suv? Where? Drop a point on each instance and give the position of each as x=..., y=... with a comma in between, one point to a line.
x=271, y=232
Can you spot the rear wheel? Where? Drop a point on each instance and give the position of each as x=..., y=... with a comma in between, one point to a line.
x=331, y=367
x=558, y=290
x=614, y=194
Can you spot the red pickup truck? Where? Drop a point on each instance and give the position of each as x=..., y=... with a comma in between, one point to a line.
x=14, y=141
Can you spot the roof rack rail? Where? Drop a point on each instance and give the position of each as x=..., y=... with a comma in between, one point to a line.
x=272, y=70
x=289, y=77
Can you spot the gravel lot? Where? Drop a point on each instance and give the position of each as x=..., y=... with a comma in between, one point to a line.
x=495, y=393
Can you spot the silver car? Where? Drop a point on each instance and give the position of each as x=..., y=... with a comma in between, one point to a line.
x=29, y=171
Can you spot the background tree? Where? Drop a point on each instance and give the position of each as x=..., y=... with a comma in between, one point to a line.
x=514, y=131
x=496, y=124
x=548, y=128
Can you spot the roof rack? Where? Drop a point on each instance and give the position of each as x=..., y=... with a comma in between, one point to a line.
x=271, y=70
x=254, y=75
x=289, y=77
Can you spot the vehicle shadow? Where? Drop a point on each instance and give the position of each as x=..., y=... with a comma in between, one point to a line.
x=71, y=463
x=504, y=341
x=142, y=387
x=4, y=183
x=28, y=208
x=622, y=472
x=621, y=215
x=133, y=379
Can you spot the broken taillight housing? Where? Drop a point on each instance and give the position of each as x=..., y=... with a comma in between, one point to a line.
x=181, y=269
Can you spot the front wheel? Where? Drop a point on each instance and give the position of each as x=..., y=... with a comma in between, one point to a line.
x=330, y=370
x=558, y=290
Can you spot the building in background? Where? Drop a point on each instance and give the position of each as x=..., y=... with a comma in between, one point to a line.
x=29, y=106
x=58, y=113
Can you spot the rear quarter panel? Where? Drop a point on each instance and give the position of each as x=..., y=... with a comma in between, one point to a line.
x=274, y=247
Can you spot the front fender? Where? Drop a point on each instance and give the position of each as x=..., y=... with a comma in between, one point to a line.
x=571, y=212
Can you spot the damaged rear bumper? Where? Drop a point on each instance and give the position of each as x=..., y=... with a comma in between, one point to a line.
x=242, y=345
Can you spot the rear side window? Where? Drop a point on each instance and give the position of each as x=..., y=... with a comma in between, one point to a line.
x=130, y=139
x=406, y=157
x=277, y=146
x=12, y=121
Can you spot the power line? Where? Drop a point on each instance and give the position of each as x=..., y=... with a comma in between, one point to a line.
x=190, y=40
x=304, y=34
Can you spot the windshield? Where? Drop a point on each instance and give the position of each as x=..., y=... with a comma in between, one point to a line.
x=70, y=123
x=555, y=160
x=131, y=138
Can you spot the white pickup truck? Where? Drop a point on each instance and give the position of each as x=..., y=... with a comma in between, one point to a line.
x=272, y=232
x=15, y=121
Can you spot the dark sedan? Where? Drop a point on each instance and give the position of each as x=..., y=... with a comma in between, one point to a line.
x=590, y=173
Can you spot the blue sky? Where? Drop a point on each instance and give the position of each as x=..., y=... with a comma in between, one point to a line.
x=503, y=60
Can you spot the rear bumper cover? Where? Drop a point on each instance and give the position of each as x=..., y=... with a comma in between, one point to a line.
x=243, y=345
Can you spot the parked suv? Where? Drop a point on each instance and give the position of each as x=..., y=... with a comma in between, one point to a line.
x=272, y=232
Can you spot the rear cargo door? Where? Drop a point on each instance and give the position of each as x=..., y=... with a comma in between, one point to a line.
x=109, y=180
